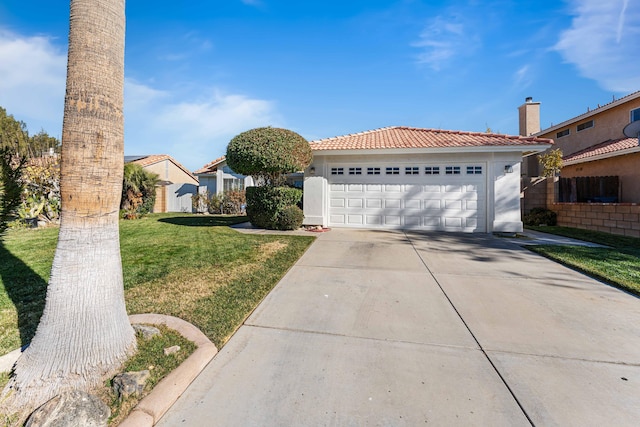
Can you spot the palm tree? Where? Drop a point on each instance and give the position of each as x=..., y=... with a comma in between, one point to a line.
x=84, y=334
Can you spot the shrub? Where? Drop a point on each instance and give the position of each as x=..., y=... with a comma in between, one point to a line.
x=265, y=204
x=268, y=153
x=290, y=218
x=540, y=216
x=138, y=191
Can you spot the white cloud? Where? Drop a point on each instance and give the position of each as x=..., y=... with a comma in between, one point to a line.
x=194, y=132
x=522, y=78
x=442, y=40
x=603, y=42
x=33, y=74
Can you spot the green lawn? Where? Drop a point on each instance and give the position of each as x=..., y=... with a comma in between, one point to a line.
x=618, y=264
x=190, y=266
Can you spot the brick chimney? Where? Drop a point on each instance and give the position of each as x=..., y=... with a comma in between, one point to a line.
x=529, y=117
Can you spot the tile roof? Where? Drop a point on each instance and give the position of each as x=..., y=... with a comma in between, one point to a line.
x=156, y=158
x=408, y=137
x=607, y=147
x=211, y=166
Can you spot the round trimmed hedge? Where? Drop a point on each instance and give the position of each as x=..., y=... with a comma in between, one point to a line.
x=268, y=153
x=272, y=207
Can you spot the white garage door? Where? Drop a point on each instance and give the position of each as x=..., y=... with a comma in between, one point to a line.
x=430, y=197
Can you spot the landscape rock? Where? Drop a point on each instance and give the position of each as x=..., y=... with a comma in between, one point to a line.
x=146, y=331
x=130, y=383
x=171, y=350
x=72, y=408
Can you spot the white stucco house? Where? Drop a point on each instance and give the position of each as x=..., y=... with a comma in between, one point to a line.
x=216, y=177
x=403, y=177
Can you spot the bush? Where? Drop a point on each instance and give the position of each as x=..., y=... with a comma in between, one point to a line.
x=290, y=218
x=540, y=216
x=266, y=204
x=268, y=153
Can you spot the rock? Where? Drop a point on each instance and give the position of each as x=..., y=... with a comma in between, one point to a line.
x=146, y=331
x=130, y=383
x=71, y=408
x=171, y=350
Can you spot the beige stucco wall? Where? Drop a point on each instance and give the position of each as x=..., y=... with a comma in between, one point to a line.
x=626, y=167
x=168, y=171
x=606, y=125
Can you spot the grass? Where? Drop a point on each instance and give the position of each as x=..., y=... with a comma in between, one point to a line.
x=150, y=356
x=189, y=266
x=618, y=264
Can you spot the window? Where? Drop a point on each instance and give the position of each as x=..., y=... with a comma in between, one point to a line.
x=562, y=133
x=412, y=170
x=355, y=171
x=585, y=125
x=474, y=170
x=393, y=171
x=232, y=184
x=337, y=171
x=452, y=170
x=432, y=170
x=635, y=115
x=373, y=171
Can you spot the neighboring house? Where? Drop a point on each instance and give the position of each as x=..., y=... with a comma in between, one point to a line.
x=216, y=178
x=402, y=177
x=592, y=144
x=176, y=186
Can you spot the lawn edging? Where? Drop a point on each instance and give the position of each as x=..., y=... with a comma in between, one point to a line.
x=150, y=409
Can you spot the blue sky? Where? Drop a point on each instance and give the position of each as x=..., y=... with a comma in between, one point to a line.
x=199, y=72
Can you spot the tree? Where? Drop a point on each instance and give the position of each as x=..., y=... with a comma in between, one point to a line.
x=138, y=191
x=13, y=134
x=551, y=162
x=84, y=334
x=268, y=154
x=11, y=167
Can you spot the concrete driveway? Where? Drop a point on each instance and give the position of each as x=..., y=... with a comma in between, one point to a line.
x=387, y=328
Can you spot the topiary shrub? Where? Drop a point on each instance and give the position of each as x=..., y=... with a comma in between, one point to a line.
x=290, y=218
x=268, y=153
x=540, y=216
x=265, y=204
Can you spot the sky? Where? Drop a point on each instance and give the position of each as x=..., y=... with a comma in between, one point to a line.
x=199, y=72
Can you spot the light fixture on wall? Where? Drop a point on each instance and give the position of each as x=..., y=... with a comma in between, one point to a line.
x=508, y=169
x=312, y=170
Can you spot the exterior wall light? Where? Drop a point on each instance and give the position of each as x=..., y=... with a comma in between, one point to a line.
x=508, y=169
x=312, y=170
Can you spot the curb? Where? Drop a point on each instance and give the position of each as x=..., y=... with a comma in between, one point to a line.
x=150, y=409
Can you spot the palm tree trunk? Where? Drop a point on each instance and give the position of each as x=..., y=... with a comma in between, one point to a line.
x=84, y=333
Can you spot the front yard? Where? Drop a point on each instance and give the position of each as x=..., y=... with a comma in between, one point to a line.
x=618, y=264
x=188, y=266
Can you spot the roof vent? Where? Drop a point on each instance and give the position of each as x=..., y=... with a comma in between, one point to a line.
x=528, y=99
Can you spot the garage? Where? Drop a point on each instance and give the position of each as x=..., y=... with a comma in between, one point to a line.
x=431, y=197
x=412, y=178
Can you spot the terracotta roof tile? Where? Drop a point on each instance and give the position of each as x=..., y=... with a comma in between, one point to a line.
x=211, y=166
x=156, y=158
x=408, y=137
x=606, y=147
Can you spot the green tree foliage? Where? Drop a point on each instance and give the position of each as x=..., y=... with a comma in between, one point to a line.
x=138, y=191
x=13, y=134
x=551, y=162
x=267, y=154
x=41, y=192
x=11, y=167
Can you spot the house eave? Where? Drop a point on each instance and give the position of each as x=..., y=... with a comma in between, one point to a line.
x=602, y=156
x=524, y=149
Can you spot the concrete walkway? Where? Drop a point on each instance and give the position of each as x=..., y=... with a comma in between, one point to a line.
x=402, y=329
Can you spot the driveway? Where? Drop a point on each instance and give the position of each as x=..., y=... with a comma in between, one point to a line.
x=392, y=328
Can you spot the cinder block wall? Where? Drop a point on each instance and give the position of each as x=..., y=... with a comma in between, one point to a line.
x=615, y=218
x=534, y=193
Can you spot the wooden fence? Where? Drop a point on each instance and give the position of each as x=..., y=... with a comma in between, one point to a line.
x=589, y=189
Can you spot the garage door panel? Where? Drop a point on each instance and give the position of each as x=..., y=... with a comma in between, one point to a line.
x=337, y=202
x=444, y=202
x=355, y=203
